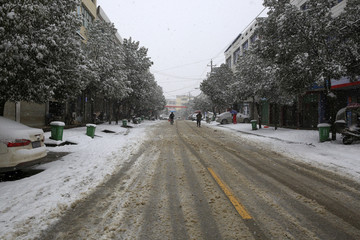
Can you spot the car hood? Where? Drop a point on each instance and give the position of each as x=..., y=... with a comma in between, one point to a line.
x=10, y=130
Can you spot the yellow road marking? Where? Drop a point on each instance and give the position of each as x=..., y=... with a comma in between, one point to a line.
x=238, y=206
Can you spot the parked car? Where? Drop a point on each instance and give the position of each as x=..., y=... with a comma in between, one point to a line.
x=242, y=118
x=226, y=117
x=20, y=145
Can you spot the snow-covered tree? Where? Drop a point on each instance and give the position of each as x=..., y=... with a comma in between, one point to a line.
x=137, y=65
x=105, y=65
x=203, y=103
x=106, y=62
x=218, y=87
x=349, y=48
x=40, y=53
x=152, y=99
x=301, y=42
x=255, y=78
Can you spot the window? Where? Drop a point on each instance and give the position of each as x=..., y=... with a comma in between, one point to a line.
x=87, y=18
x=253, y=38
x=245, y=46
x=236, y=55
x=228, y=62
x=304, y=7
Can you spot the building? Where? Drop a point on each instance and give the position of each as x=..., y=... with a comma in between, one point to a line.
x=345, y=90
x=39, y=115
x=311, y=107
x=183, y=100
x=241, y=44
x=103, y=17
x=88, y=11
x=237, y=48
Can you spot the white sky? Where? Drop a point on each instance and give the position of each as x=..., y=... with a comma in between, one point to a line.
x=182, y=36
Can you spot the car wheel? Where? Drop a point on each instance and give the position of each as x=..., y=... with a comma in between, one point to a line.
x=224, y=121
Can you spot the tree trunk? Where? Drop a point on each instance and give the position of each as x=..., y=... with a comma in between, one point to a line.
x=108, y=114
x=331, y=101
x=276, y=117
x=259, y=114
x=214, y=111
x=253, y=108
x=298, y=112
x=2, y=107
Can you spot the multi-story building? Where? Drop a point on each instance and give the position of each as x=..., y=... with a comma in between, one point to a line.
x=87, y=10
x=312, y=102
x=103, y=17
x=183, y=100
x=241, y=44
x=346, y=91
x=39, y=115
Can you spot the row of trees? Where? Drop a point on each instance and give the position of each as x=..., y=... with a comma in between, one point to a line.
x=295, y=49
x=42, y=57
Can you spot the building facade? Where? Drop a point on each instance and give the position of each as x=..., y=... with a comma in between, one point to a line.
x=311, y=107
x=241, y=44
x=39, y=115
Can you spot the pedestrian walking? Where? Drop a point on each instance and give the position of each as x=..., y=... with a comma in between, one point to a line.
x=234, y=113
x=198, y=119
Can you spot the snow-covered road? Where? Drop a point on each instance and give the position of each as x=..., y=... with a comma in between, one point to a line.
x=30, y=205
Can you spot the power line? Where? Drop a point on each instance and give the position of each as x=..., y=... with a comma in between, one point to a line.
x=181, y=89
x=179, y=77
x=183, y=65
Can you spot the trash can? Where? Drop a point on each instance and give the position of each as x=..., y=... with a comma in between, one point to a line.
x=57, y=129
x=90, y=130
x=124, y=122
x=253, y=124
x=324, y=130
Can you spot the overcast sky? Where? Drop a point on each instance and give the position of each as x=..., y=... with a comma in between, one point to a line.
x=182, y=36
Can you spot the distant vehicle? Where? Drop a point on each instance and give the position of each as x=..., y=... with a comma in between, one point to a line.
x=164, y=117
x=242, y=118
x=193, y=116
x=226, y=117
x=20, y=145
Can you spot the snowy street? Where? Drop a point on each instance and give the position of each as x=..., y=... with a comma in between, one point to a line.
x=157, y=181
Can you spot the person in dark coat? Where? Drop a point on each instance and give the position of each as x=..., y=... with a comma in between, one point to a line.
x=171, y=118
x=198, y=119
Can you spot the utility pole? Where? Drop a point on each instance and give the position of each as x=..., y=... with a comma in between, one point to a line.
x=211, y=66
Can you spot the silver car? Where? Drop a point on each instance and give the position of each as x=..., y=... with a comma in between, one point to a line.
x=20, y=145
x=226, y=117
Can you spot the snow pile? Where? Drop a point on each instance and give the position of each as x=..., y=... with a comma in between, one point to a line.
x=30, y=204
x=303, y=145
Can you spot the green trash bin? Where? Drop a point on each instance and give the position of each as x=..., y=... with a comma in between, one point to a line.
x=57, y=129
x=324, y=131
x=90, y=130
x=253, y=124
x=124, y=122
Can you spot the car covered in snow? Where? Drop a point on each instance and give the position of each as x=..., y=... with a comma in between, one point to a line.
x=227, y=117
x=20, y=145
